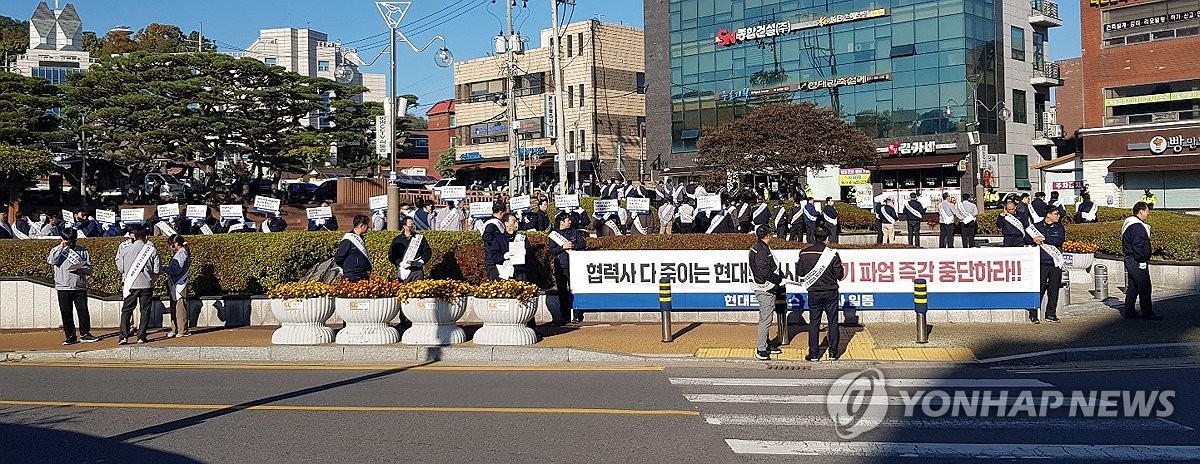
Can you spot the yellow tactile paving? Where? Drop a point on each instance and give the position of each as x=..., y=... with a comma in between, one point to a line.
x=912, y=354
x=959, y=353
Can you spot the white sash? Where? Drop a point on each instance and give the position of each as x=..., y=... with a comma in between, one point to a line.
x=779, y=216
x=265, y=227
x=742, y=211
x=206, y=230
x=687, y=216
x=807, y=215
x=448, y=221
x=179, y=290
x=410, y=256
x=1013, y=221
x=967, y=218
x=1090, y=215
x=637, y=224
x=1055, y=253
x=666, y=213
x=830, y=219
x=613, y=225
x=558, y=238
x=165, y=228
x=797, y=216
x=1034, y=215
x=818, y=270
x=767, y=285
x=139, y=264
x=913, y=211
x=757, y=211
x=1131, y=220
x=78, y=231
x=236, y=227
x=18, y=234
x=715, y=222
x=888, y=219
x=358, y=242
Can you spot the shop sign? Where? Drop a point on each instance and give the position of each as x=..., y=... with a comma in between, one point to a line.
x=1067, y=185
x=470, y=156
x=731, y=95
x=854, y=177
x=1156, y=98
x=1160, y=144
x=1152, y=21
x=533, y=152
x=915, y=148
x=727, y=38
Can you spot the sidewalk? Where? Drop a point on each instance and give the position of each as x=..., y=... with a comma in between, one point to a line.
x=1088, y=323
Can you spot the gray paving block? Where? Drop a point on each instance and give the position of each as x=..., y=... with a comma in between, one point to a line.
x=306, y=353
x=529, y=355
x=235, y=353
x=380, y=353
x=454, y=353
x=587, y=356
x=121, y=353
x=164, y=353
x=40, y=355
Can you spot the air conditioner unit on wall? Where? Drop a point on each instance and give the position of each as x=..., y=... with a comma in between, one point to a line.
x=1054, y=131
x=1050, y=116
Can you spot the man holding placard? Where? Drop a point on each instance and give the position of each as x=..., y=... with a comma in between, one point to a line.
x=321, y=219
x=565, y=238
x=139, y=264
x=495, y=240
x=409, y=252
x=85, y=225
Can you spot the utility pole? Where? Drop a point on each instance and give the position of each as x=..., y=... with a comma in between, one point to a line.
x=393, y=190
x=514, y=171
x=559, y=119
x=83, y=150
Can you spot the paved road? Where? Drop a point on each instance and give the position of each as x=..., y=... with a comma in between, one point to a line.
x=432, y=414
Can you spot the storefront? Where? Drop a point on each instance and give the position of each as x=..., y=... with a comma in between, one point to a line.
x=929, y=165
x=1120, y=164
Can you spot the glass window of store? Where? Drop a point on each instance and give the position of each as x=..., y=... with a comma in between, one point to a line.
x=1017, y=37
x=1150, y=21
x=1158, y=102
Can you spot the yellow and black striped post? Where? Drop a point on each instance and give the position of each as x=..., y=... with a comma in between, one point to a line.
x=921, y=304
x=785, y=336
x=664, y=305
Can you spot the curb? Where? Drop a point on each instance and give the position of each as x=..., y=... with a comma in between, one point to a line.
x=331, y=354
x=1100, y=353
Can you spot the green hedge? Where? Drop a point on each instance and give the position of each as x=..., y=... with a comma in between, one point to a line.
x=1171, y=238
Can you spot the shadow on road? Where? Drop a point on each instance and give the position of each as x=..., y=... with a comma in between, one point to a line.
x=36, y=444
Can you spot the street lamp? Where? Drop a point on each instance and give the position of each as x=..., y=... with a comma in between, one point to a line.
x=393, y=13
x=1002, y=113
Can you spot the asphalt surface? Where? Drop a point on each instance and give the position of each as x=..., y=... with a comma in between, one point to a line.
x=710, y=415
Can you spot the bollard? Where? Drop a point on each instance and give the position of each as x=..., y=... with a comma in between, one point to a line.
x=1064, y=292
x=921, y=305
x=1101, y=280
x=785, y=336
x=664, y=305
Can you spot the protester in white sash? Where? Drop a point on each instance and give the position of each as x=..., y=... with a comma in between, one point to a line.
x=946, y=214
x=139, y=264
x=966, y=212
x=887, y=218
x=687, y=217
x=565, y=238
x=829, y=214
x=72, y=265
x=513, y=266
x=378, y=220
x=1049, y=235
x=1010, y=226
x=1135, y=245
x=1088, y=211
x=352, y=254
x=495, y=241
x=409, y=252
x=449, y=218
x=666, y=217
x=821, y=270
x=178, y=272
x=914, y=213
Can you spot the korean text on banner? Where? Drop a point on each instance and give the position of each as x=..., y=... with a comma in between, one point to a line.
x=519, y=203
x=708, y=202
x=606, y=206
x=197, y=211
x=378, y=203
x=322, y=212
x=454, y=192
x=106, y=217
x=170, y=210
x=133, y=215
x=232, y=212
x=264, y=204
x=67, y=216
x=638, y=205
x=984, y=278
x=566, y=201
x=481, y=209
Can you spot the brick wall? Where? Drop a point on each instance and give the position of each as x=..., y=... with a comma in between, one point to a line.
x=1069, y=98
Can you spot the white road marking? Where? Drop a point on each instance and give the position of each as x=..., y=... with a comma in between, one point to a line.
x=897, y=383
x=1010, y=400
x=1124, y=453
x=1077, y=423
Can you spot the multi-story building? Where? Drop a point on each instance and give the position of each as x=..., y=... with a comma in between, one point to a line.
x=1141, y=101
x=916, y=75
x=55, y=45
x=603, y=108
x=441, y=122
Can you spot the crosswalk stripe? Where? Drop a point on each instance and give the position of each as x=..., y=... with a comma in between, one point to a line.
x=1124, y=453
x=955, y=423
x=899, y=383
x=826, y=399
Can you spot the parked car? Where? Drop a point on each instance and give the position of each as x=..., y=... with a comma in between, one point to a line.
x=416, y=182
x=163, y=187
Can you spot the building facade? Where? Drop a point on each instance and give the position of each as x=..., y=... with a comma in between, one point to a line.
x=55, y=45
x=441, y=132
x=603, y=108
x=916, y=75
x=1141, y=101
x=310, y=53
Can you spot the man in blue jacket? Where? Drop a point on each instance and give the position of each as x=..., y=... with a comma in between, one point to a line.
x=1049, y=237
x=562, y=239
x=1135, y=241
x=352, y=254
x=495, y=240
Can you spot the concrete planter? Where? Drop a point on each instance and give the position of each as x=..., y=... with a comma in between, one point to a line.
x=302, y=321
x=433, y=321
x=503, y=322
x=367, y=321
x=1080, y=261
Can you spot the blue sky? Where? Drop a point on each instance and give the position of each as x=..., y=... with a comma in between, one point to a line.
x=468, y=26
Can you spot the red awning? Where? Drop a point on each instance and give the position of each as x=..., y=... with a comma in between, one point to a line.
x=918, y=162
x=1156, y=163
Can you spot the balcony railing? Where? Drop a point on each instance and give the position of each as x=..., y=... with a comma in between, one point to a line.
x=1148, y=118
x=1047, y=69
x=1045, y=8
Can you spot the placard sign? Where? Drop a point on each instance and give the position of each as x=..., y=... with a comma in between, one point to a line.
x=106, y=216
x=972, y=279
x=606, y=206
x=378, y=203
x=67, y=216
x=133, y=215
x=519, y=203
x=264, y=204
x=481, y=209
x=232, y=212
x=168, y=211
x=638, y=205
x=563, y=202
x=322, y=212
x=708, y=202
x=454, y=192
x=197, y=211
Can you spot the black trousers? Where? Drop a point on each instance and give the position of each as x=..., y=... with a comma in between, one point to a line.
x=834, y=231
x=138, y=298
x=77, y=299
x=492, y=272
x=878, y=231
x=566, y=300
x=1137, y=287
x=810, y=232
x=1050, y=279
x=968, y=234
x=823, y=303
x=914, y=233
x=946, y=240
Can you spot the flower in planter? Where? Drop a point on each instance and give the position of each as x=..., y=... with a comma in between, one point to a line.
x=376, y=286
x=300, y=290
x=512, y=289
x=441, y=289
x=1071, y=246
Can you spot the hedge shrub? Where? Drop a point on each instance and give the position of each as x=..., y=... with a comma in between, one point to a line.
x=1171, y=238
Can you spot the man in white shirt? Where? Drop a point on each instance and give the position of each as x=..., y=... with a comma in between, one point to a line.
x=966, y=212
x=946, y=215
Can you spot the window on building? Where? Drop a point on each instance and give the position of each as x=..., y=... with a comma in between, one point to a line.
x=571, y=142
x=270, y=61
x=1039, y=48
x=579, y=40
x=1147, y=22
x=453, y=141
x=582, y=141
x=453, y=121
x=570, y=96
x=570, y=46
x=1152, y=103
x=484, y=91
x=641, y=83
x=1018, y=43
x=581, y=96
x=1021, y=172
x=1019, y=112
x=322, y=65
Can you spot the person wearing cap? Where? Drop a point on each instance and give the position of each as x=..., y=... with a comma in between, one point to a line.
x=1050, y=237
x=565, y=237
x=768, y=285
x=913, y=214
x=72, y=264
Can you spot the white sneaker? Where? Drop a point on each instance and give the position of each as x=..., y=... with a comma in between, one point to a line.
x=171, y=335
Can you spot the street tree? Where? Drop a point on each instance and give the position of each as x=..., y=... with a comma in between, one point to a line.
x=445, y=164
x=784, y=138
x=26, y=111
x=20, y=167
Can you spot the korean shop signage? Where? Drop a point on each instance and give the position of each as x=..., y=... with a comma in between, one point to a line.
x=727, y=38
x=1159, y=144
x=738, y=94
x=921, y=147
x=1155, y=98
x=1155, y=20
